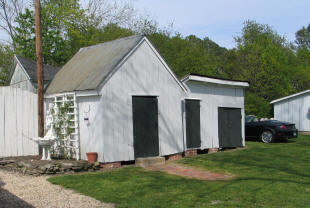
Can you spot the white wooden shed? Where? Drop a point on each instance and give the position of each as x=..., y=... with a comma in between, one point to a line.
x=222, y=110
x=295, y=109
x=128, y=100
x=24, y=75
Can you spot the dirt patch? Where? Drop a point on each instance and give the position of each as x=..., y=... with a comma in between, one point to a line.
x=189, y=172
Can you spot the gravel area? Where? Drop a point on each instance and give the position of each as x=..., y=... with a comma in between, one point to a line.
x=22, y=191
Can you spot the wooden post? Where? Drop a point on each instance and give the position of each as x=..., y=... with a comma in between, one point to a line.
x=39, y=68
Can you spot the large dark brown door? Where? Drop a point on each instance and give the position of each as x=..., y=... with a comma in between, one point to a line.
x=229, y=127
x=145, y=126
x=192, y=112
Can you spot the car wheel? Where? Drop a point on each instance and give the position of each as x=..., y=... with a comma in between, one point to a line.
x=267, y=137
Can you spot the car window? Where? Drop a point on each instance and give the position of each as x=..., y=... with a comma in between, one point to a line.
x=250, y=119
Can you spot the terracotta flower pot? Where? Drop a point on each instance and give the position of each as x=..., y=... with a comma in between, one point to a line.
x=92, y=157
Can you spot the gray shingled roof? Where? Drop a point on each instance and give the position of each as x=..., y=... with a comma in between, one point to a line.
x=91, y=65
x=30, y=67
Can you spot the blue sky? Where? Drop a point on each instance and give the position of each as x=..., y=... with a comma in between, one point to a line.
x=221, y=20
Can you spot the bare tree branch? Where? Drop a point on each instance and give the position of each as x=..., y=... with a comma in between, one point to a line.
x=124, y=14
x=111, y=11
x=9, y=10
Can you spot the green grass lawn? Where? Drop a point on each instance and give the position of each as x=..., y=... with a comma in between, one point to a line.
x=266, y=175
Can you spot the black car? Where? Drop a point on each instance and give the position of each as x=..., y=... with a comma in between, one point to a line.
x=269, y=130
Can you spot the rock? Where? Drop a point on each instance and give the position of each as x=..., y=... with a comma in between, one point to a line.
x=61, y=171
x=26, y=165
x=83, y=165
x=67, y=165
x=46, y=167
x=150, y=161
x=49, y=172
x=5, y=162
x=97, y=164
x=56, y=169
x=41, y=171
x=33, y=172
x=24, y=170
x=77, y=168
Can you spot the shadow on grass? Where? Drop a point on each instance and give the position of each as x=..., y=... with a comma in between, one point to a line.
x=9, y=200
x=262, y=184
x=275, y=141
x=254, y=163
x=284, y=141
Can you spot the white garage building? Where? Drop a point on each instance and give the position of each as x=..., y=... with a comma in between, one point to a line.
x=295, y=109
x=222, y=110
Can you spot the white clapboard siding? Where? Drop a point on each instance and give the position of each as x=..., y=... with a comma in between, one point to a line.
x=21, y=80
x=18, y=122
x=295, y=110
x=212, y=97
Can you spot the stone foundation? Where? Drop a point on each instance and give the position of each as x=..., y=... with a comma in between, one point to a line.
x=191, y=153
x=177, y=156
x=111, y=165
x=213, y=150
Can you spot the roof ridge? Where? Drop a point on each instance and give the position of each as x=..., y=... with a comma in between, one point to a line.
x=290, y=96
x=213, y=77
x=34, y=62
x=30, y=68
x=109, y=42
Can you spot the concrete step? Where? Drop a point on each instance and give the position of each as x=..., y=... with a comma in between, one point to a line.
x=150, y=161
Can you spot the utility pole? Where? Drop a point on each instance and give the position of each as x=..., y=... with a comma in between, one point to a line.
x=39, y=69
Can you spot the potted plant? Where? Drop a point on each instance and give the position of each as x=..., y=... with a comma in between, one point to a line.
x=92, y=157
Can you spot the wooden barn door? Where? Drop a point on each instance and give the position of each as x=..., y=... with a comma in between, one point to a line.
x=192, y=112
x=229, y=127
x=145, y=126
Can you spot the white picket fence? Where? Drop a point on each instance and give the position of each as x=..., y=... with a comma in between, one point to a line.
x=18, y=122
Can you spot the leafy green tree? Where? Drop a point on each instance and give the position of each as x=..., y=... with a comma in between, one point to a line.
x=190, y=54
x=302, y=62
x=6, y=63
x=67, y=27
x=256, y=105
x=61, y=20
x=266, y=60
x=94, y=35
x=303, y=37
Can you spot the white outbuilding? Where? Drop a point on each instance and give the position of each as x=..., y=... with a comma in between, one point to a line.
x=127, y=103
x=121, y=100
x=24, y=75
x=294, y=109
x=127, y=99
x=221, y=110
